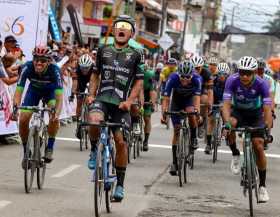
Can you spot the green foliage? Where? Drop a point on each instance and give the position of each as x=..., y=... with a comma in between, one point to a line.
x=274, y=25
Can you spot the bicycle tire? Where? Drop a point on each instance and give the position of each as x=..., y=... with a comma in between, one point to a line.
x=215, y=144
x=179, y=162
x=128, y=141
x=249, y=179
x=167, y=123
x=83, y=137
x=98, y=183
x=29, y=169
x=256, y=178
x=134, y=143
x=138, y=147
x=41, y=168
x=186, y=153
x=191, y=161
x=87, y=139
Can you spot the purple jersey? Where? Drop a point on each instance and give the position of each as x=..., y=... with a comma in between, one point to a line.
x=251, y=98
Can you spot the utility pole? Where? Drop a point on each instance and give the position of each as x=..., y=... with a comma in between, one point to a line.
x=185, y=27
x=133, y=8
x=163, y=16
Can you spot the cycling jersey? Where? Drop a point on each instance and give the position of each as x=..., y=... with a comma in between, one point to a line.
x=206, y=77
x=243, y=98
x=166, y=72
x=119, y=68
x=218, y=90
x=83, y=79
x=181, y=92
x=271, y=82
x=48, y=80
x=149, y=85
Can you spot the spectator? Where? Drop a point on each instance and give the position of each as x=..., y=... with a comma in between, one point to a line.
x=10, y=43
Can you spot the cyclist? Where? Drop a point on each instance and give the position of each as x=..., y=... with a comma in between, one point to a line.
x=119, y=80
x=247, y=103
x=81, y=78
x=207, y=87
x=150, y=95
x=170, y=68
x=218, y=90
x=186, y=88
x=45, y=84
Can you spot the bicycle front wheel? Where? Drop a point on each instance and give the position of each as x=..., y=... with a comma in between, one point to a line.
x=249, y=179
x=98, y=183
x=215, y=144
x=185, y=138
x=41, y=167
x=83, y=139
x=29, y=166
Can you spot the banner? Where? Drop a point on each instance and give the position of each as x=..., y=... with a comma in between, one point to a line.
x=26, y=20
x=54, y=26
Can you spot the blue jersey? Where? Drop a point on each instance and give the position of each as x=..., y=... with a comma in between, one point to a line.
x=251, y=98
x=48, y=80
x=181, y=92
x=218, y=90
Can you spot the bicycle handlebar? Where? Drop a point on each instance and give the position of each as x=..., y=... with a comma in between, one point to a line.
x=182, y=113
x=37, y=109
x=104, y=124
x=248, y=129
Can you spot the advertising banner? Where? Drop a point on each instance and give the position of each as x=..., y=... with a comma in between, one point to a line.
x=26, y=20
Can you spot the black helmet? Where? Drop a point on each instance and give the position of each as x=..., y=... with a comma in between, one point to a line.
x=125, y=18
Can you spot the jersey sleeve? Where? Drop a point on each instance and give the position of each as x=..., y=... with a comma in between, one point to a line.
x=228, y=92
x=139, y=75
x=170, y=84
x=197, y=81
x=57, y=80
x=24, y=74
x=264, y=88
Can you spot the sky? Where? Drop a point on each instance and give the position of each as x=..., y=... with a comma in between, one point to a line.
x=249, y=15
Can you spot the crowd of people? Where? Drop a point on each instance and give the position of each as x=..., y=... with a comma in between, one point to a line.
x=116, y=76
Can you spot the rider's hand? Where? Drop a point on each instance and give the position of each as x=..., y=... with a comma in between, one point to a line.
x=125, y=106
x=71, y=98
x=89, y=100
x=226, y=129
x=273, y=115
x=14, y=115
x=54, y=117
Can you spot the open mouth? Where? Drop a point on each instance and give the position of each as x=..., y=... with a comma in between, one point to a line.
x=121, y=34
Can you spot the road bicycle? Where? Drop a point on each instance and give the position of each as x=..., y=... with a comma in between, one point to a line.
x=217, y=135
x=185, y=152
x=249, y=170
x=104, y=175
x=35, y=148
x=84, y=139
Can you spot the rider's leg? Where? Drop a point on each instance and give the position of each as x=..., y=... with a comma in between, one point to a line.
x=148, y=127
x=24, y=119
x=78, y=115
x=175, y=140
x=210, y=126
x=193, y=126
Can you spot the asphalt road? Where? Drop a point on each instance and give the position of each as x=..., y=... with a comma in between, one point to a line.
x=212, y=190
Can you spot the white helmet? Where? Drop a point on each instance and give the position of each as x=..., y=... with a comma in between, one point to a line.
x=159, y=66
x=197, y=61
x=213, y=61
x=223, y=67
x=85, y=61
x=247, y=63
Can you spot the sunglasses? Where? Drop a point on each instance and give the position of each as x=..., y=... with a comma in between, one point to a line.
x=247, y=73
x=123, y=25
x=41, y=59
x=186, y=76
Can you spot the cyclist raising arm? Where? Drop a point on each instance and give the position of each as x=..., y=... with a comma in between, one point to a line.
x=250, y=95
x=119, y=70
x=45, y=84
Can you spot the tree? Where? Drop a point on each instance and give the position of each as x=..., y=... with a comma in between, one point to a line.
x=274, y=25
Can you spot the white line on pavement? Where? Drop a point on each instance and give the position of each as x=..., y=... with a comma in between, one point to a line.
x=169, y=147
x=155, y=125
x=4, y=203
x=66, y=171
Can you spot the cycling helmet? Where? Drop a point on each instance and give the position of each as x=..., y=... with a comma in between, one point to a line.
x=213, y=61
x=223, y=67
x=197, y=61
x=185, y=68
x=171, y=61
x=85, y=61
x=247, y=63
x=126, y=18
x=159, y=66
x=42, y=51
x=261, y=63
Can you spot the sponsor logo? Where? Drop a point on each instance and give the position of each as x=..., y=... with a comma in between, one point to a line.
x=116, y=68
x=128, y=56
x=106, y=88
x=119, y=92
x=107, y=54
x=107, y=74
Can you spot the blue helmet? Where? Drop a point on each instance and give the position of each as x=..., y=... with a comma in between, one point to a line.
x=185, y=68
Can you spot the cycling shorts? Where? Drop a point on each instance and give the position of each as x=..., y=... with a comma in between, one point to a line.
x=251, y=118
x=179, y=106
x=34, y=95
x=112, y=113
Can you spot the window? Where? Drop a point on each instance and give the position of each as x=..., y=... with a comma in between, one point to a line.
x=152, y=25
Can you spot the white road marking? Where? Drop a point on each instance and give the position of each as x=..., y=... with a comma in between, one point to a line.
x=169, y=147
x=155, y=125
x=66, y=171
x=4, y=203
